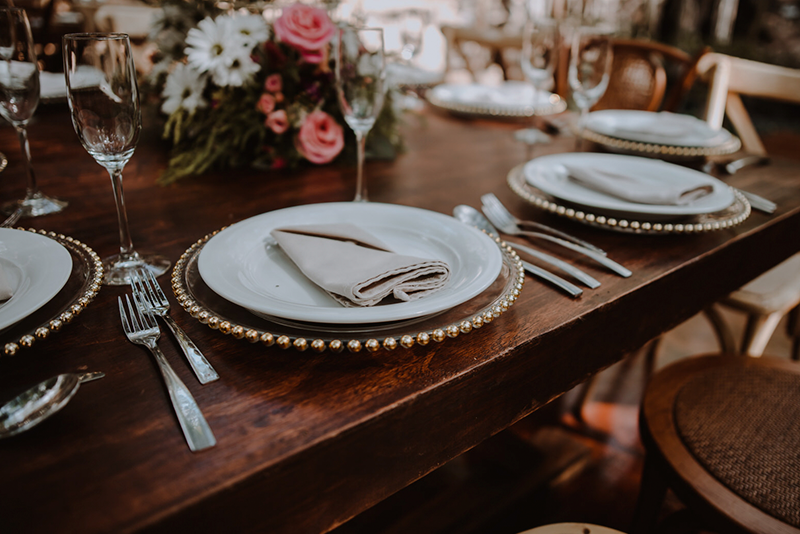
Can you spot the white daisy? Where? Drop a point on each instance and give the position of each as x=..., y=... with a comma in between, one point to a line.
x=209, y=42
x=251, y=28
x=238, y=68
x=183, y=89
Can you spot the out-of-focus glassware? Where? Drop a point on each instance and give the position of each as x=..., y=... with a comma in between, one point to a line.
x=361, y=86
x=104, y=104
x=541, y=41
x=589, y=68
x=19, y=97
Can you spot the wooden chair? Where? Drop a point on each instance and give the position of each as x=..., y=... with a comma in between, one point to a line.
x=639, y=75
x=768, y=298
x=721, y=432
x=571, y=528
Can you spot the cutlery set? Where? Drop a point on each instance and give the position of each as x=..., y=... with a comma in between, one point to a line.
x=141, y=328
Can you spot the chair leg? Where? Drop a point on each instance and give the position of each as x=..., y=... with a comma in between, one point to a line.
x=758, y=331
x=793, y=330
x=727, y=343
x=587, y=388
x=652, y=491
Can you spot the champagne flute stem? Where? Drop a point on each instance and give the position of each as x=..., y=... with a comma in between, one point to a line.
x=22, y=134
x=361, y=186
x=125, y=242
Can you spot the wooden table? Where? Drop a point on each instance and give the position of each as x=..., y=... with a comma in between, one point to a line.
x=306, y=441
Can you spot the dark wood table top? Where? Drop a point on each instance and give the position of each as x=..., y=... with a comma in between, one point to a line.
x=307, y=440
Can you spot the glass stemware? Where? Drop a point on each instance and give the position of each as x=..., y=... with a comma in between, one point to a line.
x=104, y=104
x=589, y=69
x=360, y=85
x=541, y=41
x=19, y=97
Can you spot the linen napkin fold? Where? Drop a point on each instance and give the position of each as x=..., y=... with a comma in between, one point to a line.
x=355, y=267
x=664, y=124
x=6, y=291
x=639, y=188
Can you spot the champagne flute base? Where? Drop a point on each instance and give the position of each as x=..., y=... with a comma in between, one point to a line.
x=35, y=205
x=3, y=161
x=119, y=268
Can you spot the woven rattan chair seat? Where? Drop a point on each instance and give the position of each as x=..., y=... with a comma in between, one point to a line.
x=743, y=425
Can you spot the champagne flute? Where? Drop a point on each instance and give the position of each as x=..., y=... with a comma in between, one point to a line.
x=541, y=41
x=19, y=97
x=360, y=85
x=589, y=69
x=104, y=105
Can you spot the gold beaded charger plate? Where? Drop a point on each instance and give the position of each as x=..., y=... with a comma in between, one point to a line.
x=84, y=274
x=660, y=135
x=736, y=213
x=510, y=100
x=231, y=319
x=244, y=264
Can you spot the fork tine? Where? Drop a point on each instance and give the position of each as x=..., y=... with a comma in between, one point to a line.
x=139, y=291
x=133, y=315
x=159, y=293
x=126, y=327
x=147, y=319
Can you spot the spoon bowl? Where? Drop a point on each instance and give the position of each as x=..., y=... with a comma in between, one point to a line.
x=33, y=406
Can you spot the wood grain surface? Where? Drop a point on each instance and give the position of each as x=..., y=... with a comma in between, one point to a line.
x=306, y=441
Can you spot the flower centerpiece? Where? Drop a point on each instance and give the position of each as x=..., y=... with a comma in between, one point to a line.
x=238, y=91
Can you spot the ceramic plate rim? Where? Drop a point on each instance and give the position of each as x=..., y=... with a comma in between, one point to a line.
x=725, y=135
x=44, y=276
x=605, y=202
x=230, y=288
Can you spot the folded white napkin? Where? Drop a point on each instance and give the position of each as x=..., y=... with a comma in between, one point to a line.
x=6, y=291
x=355, y=267
x=639, y=188
x=665, y=125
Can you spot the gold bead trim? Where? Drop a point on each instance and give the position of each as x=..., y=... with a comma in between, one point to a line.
x=93, y=268
x=666, y=151
x=736, y=214
x=491, y=311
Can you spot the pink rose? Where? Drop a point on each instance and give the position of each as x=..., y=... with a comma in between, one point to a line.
x=266, y=103
x=277, y=121
x=274, y=83
x=306, y=28
x=320, y=138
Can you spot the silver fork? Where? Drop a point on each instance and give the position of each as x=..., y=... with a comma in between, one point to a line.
x=147, y=291
x=491, y=199
x=508, y=226
x=142, y=329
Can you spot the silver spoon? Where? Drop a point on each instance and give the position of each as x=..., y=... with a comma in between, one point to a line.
x=472, y=217
x=33, y=406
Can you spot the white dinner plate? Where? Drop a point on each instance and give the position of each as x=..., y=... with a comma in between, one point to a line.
x=669, y=129
x=244, y=265
x=36, y=266
x=548, y=174
x=510, y=99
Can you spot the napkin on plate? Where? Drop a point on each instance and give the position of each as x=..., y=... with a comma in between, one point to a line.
x=6, y=291
x=664, y=124
x=638, y=188
x=355, y=267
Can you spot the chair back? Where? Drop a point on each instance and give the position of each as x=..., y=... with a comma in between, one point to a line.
x=639, y=76
x=729, y=77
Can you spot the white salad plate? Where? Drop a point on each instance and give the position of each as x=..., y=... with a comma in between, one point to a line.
x=664, y=128
x=510, y=99
x=36, y=267
x=244, y=265
x=549, y=175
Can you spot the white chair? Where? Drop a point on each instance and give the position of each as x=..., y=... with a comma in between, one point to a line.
x=774, y=294
x=571, y=528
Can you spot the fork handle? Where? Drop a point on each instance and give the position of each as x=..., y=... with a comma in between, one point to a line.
x=599, y=258
x=195, y=428
x=202, y=369
x=562, y=235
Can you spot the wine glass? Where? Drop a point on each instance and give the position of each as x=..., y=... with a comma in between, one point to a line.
x=541, y=41
x=19, y=97
x=589, y=69
x=360, y=85
x=104, y=105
